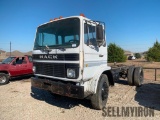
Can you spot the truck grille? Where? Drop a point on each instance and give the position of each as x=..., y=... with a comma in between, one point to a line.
x=54, y=69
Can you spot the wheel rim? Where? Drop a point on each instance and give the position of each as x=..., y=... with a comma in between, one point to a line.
x=2, y=79
x=104, y=91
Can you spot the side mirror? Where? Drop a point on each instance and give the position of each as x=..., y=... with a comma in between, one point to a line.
x=100, y=34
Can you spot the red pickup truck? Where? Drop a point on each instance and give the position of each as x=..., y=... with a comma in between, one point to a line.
x=15, y=66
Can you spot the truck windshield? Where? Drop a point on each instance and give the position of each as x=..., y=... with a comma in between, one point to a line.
x=8, y=60
x=58, y=34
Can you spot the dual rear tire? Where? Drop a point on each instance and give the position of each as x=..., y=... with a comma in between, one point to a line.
x=135, y=76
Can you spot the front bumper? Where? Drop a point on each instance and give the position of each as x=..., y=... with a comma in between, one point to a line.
x=60, y=88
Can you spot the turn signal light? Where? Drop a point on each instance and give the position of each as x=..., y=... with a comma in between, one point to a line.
x=55, y=18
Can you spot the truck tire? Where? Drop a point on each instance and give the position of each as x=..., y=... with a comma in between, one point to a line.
x=130, y=75
x=4, y=79
x=99, y=99
x=138, y=76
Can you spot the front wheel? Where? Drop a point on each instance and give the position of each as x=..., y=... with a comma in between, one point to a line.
x=4, y=79
x=99, y=99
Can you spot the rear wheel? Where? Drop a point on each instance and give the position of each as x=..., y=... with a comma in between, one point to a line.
x=4, y=79
x=130, y=75
x=138, y=76
x=99, y=99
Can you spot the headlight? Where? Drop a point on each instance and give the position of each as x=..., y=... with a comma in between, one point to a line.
x=34, y=69
x=71, y=73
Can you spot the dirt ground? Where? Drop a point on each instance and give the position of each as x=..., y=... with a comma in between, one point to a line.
x=19, y=102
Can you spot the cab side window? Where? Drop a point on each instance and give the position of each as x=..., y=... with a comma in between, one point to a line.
x=90, y=35
x=19, y=61
x=85, y=33
x=24, y=61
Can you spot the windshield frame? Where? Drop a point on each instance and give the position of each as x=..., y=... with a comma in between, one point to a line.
x=7, y=61
x=64, y=44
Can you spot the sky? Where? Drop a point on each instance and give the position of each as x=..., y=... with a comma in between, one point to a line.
x=133, y=25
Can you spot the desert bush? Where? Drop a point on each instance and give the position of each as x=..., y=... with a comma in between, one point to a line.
x=137, y=55
x=153, y=54
x=115, y=53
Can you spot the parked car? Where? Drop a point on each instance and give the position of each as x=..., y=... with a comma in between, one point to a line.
x=14, y=67
x=131, y=58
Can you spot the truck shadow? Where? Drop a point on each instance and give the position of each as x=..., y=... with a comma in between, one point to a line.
x=57, y=100
x=148, y=95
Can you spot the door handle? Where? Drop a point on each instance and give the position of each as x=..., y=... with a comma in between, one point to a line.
x=100, y=55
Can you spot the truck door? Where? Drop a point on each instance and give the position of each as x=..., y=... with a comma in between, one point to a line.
x=19, y=66
x=24, y=66
x=92, y=58
x=30, y=64
x=27, y=65
x=12, y=69
x=15, y=68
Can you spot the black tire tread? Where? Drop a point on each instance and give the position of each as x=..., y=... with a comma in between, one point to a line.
x=130, y=75
x=95, y=99
x=137, y=75
x=7, y=78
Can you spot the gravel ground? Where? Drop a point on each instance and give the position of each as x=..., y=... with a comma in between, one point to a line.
x=19, y=102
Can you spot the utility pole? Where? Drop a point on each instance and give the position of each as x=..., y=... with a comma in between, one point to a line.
x=10, y=48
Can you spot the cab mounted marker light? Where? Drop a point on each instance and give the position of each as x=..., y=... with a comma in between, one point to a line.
x=82, y=15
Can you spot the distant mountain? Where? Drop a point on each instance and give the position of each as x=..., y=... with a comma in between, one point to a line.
x=18, y=53
x=28, y=53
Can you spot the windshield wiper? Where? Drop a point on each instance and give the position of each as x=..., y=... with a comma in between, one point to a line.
x=47, y=49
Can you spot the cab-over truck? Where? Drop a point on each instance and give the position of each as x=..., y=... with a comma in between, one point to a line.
x=70, y=59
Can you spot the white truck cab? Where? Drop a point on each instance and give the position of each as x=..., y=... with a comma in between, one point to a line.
x=70, y=59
